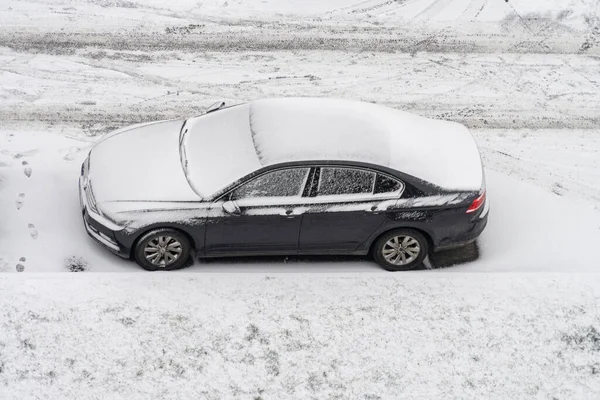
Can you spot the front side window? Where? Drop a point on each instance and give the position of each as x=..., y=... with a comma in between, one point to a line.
x=340, y=181
x=282, y=183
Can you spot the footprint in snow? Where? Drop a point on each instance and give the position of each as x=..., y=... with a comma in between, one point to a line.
x=27, y=169
x=32, y=231
x=71, y=153
x=20, y=154
x=20, y=200
x=558, y=189
x=20, y=267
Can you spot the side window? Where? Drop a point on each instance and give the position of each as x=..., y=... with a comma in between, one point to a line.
x=383, y=185
x=338, y=181
x=282, y=183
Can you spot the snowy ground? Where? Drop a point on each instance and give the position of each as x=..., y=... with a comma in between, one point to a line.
x=523, y=75
x=274, y=336
x=103, y=88
x=541, y=185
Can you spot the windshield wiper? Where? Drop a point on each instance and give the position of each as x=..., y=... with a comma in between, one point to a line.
x=215, y=107
x=182, y=155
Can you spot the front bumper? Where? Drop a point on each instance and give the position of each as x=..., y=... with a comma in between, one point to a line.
x=99, y=228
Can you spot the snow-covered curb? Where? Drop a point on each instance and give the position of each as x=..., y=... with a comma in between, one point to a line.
x=264, y=336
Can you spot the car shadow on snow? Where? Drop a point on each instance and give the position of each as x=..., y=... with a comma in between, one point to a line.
x=453, y=257
x=299, y=263
x=439, y=260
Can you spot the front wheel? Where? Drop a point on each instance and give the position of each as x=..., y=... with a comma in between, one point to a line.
x=400, y=250
x=162, y=249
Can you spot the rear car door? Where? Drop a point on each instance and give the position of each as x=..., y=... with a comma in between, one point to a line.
x=264, y=221
x=346, y=206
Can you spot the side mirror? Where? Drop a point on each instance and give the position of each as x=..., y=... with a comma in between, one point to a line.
x=215, y=107
x=231, y=208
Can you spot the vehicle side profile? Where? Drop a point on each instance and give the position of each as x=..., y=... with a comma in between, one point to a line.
x=284, y=177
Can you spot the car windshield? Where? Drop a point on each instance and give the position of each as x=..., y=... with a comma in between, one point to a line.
x=216, y=149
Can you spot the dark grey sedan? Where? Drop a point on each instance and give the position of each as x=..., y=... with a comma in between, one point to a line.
x=284, y=177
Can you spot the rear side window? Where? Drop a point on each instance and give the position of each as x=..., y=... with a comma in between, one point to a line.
x=384, y=184
x=282, y=183
x=338, y=181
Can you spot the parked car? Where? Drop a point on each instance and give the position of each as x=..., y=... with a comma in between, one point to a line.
x=283, y=177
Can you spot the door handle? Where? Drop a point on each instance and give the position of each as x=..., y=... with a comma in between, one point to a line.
x=373, y=210
x=288, y=214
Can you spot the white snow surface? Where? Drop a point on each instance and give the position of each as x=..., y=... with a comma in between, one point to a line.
x=522, y=75
x=142, y=163
x=219, y=149
x=297, y=336
x=103, y=13
x=532, y=204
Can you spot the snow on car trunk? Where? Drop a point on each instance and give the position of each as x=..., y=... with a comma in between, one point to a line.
x=142, y=163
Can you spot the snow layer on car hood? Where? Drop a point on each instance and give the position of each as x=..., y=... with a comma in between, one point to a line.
x=141, y=163
x=226, y=145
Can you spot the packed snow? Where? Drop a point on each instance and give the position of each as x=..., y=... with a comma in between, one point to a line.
x=516, y=317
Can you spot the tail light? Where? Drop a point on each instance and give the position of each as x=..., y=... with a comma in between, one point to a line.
x=476, y=204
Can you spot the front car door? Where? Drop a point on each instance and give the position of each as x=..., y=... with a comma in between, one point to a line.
x=265, y=220
x=346, y=206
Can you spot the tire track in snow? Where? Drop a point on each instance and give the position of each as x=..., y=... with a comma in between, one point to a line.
x=476, y=7
x=350, y=8
x=157, y=95
x=380, y=7
x=358, y=39
x=433, y=9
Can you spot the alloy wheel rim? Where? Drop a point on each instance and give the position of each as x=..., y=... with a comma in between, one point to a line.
x=163, y=250
x=401, y=250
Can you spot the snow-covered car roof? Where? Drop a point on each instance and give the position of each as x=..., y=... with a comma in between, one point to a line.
x=226, y=145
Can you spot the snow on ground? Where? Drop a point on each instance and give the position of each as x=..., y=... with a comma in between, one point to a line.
x=56, y=99
x=41, y=221
x=523, y=75
x=73, y=13
x=392, y=336
x=105, y=89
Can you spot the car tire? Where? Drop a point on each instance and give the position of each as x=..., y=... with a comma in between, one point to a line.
x=400, y=250
x=148, y=253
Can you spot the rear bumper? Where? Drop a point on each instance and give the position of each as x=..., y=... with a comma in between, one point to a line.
x=476, y=227
x=100, y=229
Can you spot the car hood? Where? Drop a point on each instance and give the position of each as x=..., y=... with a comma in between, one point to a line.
x=140, y=164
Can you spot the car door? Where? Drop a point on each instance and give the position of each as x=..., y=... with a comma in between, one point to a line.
x=347, y=206
x=259, y=216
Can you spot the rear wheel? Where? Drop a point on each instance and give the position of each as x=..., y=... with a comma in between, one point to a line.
x=400, y=250
x=162, y=249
